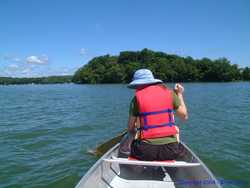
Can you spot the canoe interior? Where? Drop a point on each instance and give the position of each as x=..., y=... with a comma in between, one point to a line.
x=104, y=175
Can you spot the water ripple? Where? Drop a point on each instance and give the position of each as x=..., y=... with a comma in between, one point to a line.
x=47, y=129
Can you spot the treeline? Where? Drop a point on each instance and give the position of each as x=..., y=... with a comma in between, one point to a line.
x=41, y=80
x=169, y=68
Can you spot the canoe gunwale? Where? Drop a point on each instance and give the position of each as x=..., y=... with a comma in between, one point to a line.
x=100, y=162
x=203, y=165
x=150, y=163
x=96, y=165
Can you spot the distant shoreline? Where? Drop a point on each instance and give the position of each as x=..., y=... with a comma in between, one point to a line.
x=94, y=84
x=37, y=80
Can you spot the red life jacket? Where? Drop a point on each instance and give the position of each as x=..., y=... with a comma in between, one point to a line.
x=156, y=112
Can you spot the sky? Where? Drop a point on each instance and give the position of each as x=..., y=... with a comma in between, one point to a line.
x=56, y=37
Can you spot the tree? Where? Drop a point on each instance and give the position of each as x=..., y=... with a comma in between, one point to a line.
x=167, y=67
x=246, y=74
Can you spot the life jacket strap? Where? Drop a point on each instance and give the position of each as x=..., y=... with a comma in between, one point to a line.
x=166, y=111
x=146, y=127
x=156, y=112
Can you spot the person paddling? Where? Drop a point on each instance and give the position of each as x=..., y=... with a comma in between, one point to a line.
x=154, y=105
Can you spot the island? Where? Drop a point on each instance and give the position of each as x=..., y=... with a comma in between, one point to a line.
x=167, y=67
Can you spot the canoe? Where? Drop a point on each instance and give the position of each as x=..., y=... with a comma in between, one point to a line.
x=116, y=170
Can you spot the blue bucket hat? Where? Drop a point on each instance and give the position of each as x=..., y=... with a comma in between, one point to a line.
x=143, y=77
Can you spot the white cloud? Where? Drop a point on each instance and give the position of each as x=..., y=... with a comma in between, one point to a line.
x=44, y=58
x=7, y=73
x=32, y=67
x=37, y=60
x=26, y=71
x=17, y=59
x=13, y=66
x=82, y=51
x=12, y=58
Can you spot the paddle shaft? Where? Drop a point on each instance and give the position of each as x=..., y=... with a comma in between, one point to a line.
x=103, y=148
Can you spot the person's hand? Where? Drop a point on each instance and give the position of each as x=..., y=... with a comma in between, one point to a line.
x=179, y=89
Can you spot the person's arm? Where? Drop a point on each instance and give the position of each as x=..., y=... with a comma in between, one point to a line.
x=133, y=112
x=131, y=124
x=182, y=109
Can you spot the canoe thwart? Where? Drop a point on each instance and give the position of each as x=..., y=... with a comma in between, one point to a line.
x=129, y=161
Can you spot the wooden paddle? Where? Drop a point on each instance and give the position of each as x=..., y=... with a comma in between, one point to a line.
x=104, y=147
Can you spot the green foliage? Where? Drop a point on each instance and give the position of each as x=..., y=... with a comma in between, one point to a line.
x=41, y=80
x=169, y=68
x=246, y=74
x=95, y=71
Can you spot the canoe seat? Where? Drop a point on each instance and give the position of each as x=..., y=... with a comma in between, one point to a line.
x=132, y=161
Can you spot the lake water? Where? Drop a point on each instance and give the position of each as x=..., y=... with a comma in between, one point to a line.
x=45, y=130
